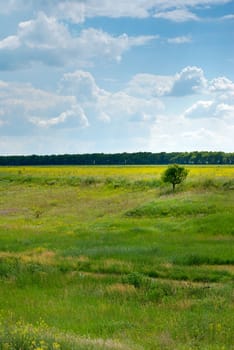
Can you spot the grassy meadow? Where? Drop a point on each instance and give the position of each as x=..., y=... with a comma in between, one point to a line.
x=108, y=258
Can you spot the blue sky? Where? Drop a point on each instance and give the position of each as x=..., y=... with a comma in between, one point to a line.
x=83, y=76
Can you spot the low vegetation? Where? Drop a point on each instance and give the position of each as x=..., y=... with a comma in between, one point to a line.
x=111, y=258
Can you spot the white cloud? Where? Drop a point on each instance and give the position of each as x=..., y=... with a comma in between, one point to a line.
x=177, y=15
x=82, y=84
x=122, y=105
x=200, y=109
x=210, y=109
x=78, y=11
x=104, y=104
x=207, y=124
x=149, y=85
x=223, y=89
x=180, y=40
x=221, y=84
x=71, y=118
x=74, y=11
x=227, y=17
x=189, y=3
x=80, y=102
x=188, y=134
x=23, y=106
x=30, y=98
x=43, y=33
x=221, y=103
x=225, y=111
x=46, y=40
x=140, y=111
x=188, y=81
x=11, y=43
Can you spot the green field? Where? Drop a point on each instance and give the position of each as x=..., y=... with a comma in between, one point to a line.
x=109, y=258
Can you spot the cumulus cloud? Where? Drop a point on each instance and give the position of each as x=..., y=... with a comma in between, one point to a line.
x=106, y=105
x=211, y=109
x=189, y=81
x=43, y=33
x=221, y=103
x=82, y=84
x=221, y=84
x=46, y=40
x=23, y=106
x=222, y=89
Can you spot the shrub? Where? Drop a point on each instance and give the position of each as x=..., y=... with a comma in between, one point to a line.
x=135, y=279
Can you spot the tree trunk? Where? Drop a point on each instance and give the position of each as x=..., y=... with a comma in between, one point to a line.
x=173, y=186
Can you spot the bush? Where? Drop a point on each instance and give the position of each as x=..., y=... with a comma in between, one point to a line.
x=135, y=279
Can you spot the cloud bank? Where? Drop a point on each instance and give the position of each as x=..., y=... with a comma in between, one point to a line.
x=143, y=105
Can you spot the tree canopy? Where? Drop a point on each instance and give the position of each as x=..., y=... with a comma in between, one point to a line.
x=137, y=158
x=174, y=174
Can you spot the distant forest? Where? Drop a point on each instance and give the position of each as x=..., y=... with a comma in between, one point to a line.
x=138, y=158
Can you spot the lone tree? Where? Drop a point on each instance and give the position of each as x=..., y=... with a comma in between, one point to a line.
x=174, y=174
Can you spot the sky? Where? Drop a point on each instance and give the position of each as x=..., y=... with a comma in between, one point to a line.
x=86, y=76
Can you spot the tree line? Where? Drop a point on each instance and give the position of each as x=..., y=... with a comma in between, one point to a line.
x=138, y=158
